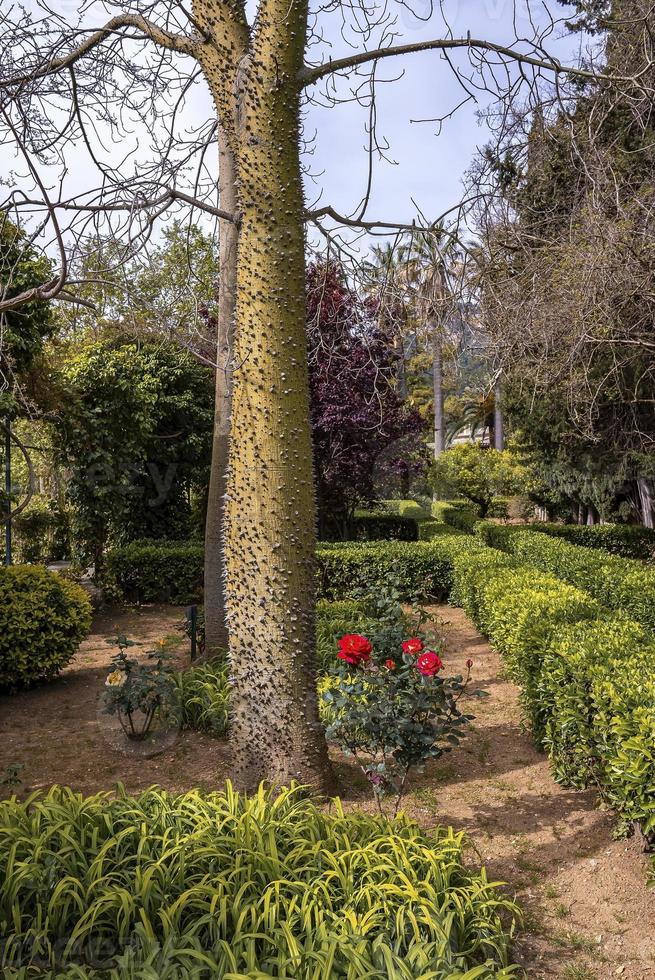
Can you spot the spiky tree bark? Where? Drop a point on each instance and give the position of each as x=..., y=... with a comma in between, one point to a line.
x=269, y=535
x=216, y=630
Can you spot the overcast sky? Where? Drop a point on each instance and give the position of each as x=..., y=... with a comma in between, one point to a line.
x=431, y=160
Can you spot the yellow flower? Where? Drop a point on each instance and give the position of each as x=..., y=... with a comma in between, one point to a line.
x=116, y=679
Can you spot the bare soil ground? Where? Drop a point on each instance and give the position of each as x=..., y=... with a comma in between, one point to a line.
x=589, y=913
x=60, y=734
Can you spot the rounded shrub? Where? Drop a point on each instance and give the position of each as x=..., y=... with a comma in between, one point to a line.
x=44, y=619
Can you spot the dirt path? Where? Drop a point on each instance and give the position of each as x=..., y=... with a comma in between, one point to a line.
x=59, y=734
x=589, y=913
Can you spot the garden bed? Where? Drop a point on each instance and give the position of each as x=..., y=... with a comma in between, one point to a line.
x=588, y=911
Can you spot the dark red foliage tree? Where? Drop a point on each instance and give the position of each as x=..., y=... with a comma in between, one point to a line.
x=363, y=432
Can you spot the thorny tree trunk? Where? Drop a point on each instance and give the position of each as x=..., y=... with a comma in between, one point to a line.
x=270, y=510
x=216, y=633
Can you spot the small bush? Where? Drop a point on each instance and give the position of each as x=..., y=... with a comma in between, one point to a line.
x=389, y=706
x=145, y=571
x=44, y=620
x=219, y=885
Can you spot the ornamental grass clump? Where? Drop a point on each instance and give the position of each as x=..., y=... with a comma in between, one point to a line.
x=390, y=707
x=204, y=696
x=225, y=886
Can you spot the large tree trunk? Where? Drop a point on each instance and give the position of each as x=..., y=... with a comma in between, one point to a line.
x=270, y=534
x=216, y=631
x=437, y=384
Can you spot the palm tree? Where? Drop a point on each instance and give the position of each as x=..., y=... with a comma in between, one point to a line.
x=430, y=259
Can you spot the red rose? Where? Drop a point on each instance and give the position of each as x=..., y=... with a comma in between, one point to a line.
x=415, y=645
x=469, y=663
x=429, y=663
x=354, y=649
x=390, y=664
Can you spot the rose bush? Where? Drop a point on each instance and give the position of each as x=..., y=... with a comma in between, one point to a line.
x=140, y=693
x=390, y=707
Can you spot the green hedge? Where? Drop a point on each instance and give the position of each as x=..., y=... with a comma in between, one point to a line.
x=420, y=571
x=585, y=674
x=173, y=571
x=378, y=527
x=457, y=513
x=622, y=540
x=145, y=571
x=619, y=583
x=44, y=619
x=218, y=885
x=404, y=508
x=624, y=584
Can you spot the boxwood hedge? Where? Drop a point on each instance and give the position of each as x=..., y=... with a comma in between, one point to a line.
x=585, y=673
x=419, y=571
x=624, y=540
x=44, y=619
x=149, y=571
x=624, y=584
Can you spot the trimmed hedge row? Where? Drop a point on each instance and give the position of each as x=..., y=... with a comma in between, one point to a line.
x=404, y=508
x=379, y=527
x=173, y=571
x=623, y=540
x=585, y=675
x=145, y=571
x=619, y=583
x=421, y=571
